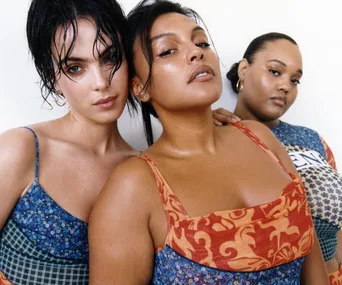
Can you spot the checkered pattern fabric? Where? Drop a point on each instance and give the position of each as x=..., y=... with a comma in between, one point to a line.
x=24, y=264
x=326, y=233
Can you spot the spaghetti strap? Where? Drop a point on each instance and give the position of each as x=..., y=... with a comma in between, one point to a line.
x=169, y=198
x=258, y=142
x=37, y=154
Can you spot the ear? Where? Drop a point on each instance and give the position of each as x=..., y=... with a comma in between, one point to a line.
x=138, y=90
x=242, y=69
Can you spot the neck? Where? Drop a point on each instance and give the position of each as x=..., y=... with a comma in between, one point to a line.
x=244, y=113
x=100, y=138
x=188, y=133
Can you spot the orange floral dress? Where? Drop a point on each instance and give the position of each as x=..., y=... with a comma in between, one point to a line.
x=264, y=244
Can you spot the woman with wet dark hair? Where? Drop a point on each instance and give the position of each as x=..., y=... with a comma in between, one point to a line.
x=198, y=206
x=266, y=81
x=51, y=172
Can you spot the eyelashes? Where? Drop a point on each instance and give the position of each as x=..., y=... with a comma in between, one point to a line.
x=278, y=73
x=171, y=51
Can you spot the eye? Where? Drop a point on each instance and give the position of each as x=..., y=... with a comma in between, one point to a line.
x=203, y=45
x=274, y=72
x=74, y=69
x=166, y=53
x=295, y=81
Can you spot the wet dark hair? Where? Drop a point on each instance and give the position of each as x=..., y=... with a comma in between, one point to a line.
x=140, y=21
x=254, y=47
x=45, y=16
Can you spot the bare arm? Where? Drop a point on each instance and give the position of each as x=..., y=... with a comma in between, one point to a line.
x=120, y=244
x=17, y=161
x=314, y=271
x=339, y=247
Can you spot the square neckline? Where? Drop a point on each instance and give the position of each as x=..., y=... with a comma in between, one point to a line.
x=295, y=179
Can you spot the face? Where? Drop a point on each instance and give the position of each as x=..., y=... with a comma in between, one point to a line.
x=185, y=70
x=270, y=83
x=86, y=84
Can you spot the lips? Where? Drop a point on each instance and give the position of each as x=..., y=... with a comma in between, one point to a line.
x=201, y=71
x=279, y=100
x=104, y=101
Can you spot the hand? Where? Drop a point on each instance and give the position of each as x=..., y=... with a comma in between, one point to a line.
x=222, y=117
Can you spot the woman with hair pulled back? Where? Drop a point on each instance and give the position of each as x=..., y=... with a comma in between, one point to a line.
x=194, y=208
x=51, y=172
x=266, y=81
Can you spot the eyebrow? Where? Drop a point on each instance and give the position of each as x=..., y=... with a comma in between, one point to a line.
x=157, y=37
x=79, y=59
x=284, y=64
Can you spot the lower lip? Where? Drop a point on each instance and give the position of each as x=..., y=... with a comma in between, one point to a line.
x=203, y=78
x=107, y=105
x=279, y=102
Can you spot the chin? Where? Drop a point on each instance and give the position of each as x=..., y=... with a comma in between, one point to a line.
x=209, y=97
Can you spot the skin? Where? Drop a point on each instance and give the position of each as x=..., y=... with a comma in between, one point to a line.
x=122, y=246
x=264, y=80
x=78, y=151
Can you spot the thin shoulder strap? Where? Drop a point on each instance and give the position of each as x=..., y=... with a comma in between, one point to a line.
x=172, y=206
x=37, y=154
x=258, y=142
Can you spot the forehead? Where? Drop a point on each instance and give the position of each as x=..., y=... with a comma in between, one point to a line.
x=282, y=50
x=172, y=23
x=85, y=34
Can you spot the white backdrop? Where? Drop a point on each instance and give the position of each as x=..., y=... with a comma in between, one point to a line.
x=316, y=26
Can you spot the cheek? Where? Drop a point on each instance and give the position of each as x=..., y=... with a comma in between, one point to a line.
x=164, y=77
x=120, y=80
x=292, y=98
x=72, y=90
x=265, y=85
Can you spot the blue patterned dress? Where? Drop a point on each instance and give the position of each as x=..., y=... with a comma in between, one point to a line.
x=41, y=243
x=316, y=166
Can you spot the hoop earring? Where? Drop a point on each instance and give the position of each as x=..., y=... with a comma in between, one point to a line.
x=239, y=85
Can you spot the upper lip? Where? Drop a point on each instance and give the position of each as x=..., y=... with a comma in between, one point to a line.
x=200, y=69
x=104, y=100
x=280, y=97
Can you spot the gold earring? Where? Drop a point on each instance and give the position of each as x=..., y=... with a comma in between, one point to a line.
x=239, y=85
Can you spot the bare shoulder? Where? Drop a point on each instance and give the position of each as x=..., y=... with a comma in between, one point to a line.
x=271, y=141
x=17, y=164
x=259, y=129
x=131, y=180
x=17, y=146
x=263, y=133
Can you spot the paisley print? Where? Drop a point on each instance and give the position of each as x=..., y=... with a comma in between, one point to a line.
x=237, y=242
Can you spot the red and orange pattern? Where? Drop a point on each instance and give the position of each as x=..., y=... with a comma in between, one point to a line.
x=4, y=280
x=243, y=240
x=335, y=278
x=330, y=155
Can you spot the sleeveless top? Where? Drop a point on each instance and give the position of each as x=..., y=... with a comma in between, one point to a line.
x=41, y=243
x=316, y=166
x=264, y=244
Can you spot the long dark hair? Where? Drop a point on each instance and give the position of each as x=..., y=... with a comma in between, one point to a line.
x=140, y=21
x=45, y=16
x=254, y=47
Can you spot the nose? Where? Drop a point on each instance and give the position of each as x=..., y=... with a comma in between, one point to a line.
x=100, y=79
x=195, y=53
x=284, y=86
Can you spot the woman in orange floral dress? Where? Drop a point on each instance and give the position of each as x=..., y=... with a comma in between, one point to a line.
x=202, y=205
